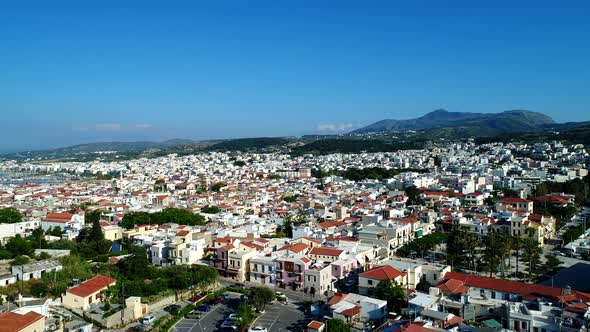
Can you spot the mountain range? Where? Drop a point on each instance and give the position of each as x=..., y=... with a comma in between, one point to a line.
x=480, y=123
x=384, y=135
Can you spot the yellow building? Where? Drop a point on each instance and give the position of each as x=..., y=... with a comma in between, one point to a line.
x=87, y=293
x=29, y=322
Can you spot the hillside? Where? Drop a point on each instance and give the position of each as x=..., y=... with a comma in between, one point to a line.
x=484, y=123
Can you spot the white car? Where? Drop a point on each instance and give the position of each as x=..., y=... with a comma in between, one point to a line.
x=148, y=320
x=258, y=329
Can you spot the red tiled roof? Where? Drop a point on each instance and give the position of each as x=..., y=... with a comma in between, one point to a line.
x=413, y=327
x=337, y=298
x=511, y=200
x=58, y=217
x=13, y=322
x=314, y=324
x=350, y=312
x=513, y=287
x=407, y=220
x=385, y=272
x=92, y=286
x=330, y=224
x=326, y=251
x=182, y=233
x=312, y=240
x=297, y=247
x=453, y=286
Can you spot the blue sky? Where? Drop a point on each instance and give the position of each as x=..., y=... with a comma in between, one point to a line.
x=73, y=73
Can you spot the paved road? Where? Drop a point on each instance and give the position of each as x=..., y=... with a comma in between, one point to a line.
x=283, y=317
x=210, y=321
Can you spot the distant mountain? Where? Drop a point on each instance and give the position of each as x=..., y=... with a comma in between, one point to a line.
x=484, y=123
x=121, y=146
x=90, y=148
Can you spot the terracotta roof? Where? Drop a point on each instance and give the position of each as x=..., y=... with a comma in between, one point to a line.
x=182, y=233
x=514, y=200
x=314, y=324
x=58, y=217
x=453, y=286
x=414, y=327
x=13, y=322
x=297, y=247
x=326, y=251
x=92, y=286
x=350, y=312
x=385, y=272
x=337, y=298
x=514, y=287
x=312, y=240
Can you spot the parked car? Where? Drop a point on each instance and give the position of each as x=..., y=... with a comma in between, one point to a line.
x=230, y=324
x=196, y=298
x=258, y=329
x=193, y=315
x=204, y=308
x=146, y=320
x=220, y=299
x=281, y=297
x=172, y=309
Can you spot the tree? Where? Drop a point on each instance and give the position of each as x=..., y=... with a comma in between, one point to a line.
x=288, y=226
x=413, y=195
x=261, y=296
x=391, y=291
x=39, y=289
x=337, y=325
x=136, y=265
x=55, y=231
x=20, y=260
x=10, y=216
x=245, y=314
x=43, y=256
x=552, y=263
x=210, y=209
x=19, y=246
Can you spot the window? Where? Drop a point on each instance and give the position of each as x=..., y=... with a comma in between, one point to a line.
x=493, y=294
x=370, y=282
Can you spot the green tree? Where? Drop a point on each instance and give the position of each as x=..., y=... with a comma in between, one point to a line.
x=392, y=292
x=55, y=231
x=552, y=263
x=43, y=256
x=413, y=195
x=210, y=209
x=245, y=314
x=19, y=246
x=10, y=216
x=39, y=289
x=20, y=260
x=136, y=265
x=337, y=325
x=261, y=296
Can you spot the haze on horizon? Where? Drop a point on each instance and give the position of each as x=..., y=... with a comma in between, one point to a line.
x=75, y=73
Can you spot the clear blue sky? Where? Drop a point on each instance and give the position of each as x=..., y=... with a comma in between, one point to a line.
x=71, y=74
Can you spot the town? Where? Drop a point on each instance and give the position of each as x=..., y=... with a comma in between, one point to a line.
x=458, y=236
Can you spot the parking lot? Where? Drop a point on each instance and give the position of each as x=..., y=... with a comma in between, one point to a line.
x=277, y=317
x=283, y=317
x=211, y=320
